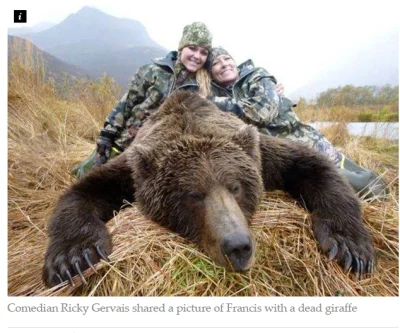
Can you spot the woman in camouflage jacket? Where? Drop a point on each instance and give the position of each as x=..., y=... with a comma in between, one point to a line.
x=150, y=86
x=250, y=93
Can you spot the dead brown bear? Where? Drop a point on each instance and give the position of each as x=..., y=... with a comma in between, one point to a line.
x=201, y=173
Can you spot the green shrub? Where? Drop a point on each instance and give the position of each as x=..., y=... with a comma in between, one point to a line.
x=391, y=117
x=365, y=117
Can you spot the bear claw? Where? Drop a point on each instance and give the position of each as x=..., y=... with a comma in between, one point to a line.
x=354, y=254
x=59, y=269
x=86, y=255
x=359, y=263
x=333, y=252
x=370, y=265
x=356, y=267
x=361, y=268
x=60, y=278
x=101, y=254
x=347, y=260
x=70, y=277
x=78, y=269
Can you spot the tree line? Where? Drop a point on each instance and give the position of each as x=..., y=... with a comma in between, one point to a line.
x=350, y=95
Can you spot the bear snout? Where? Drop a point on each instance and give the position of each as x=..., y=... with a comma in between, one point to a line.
x=237, y=247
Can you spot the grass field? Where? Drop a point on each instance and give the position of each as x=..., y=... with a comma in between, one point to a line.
x=49, y=132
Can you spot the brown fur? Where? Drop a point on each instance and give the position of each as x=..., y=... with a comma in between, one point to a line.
x=201, y=172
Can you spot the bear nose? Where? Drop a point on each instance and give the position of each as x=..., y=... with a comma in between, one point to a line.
x=237, y=248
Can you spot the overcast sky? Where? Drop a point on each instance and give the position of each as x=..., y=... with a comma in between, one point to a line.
x=294, y=40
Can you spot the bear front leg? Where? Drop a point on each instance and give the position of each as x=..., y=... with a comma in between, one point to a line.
x=335, y=209
x=78, y=236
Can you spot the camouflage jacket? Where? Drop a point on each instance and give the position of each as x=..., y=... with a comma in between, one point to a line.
x=149, y=87
x=252, y=97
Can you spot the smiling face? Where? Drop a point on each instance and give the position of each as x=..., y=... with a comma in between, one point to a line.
x=194, y=57
x=224, y=70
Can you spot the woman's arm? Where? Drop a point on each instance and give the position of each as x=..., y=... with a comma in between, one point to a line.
x=255, y=100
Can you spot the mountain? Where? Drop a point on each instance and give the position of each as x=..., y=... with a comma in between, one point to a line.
x=29, y=30
x=98, y=42
x=19, y=48
x=121, y=65
x=374, y=63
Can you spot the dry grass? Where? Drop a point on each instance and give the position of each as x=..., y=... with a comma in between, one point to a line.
x=149, y=260
x=48, y=135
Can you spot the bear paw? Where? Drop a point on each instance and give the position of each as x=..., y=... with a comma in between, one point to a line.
x=351, y=247
x=67, y=257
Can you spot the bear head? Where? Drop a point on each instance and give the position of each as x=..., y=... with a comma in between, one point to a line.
x=204, y=188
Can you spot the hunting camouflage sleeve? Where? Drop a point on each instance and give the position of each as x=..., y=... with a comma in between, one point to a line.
x=255, y=99
x=141, y=111
x=116, y=120
x=262, y=101
x=227, y=104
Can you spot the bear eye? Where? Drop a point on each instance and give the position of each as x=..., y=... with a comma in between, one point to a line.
x=235, y=189
x=196, y=196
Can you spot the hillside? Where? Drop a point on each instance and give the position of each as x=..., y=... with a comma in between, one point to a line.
x=24, y=50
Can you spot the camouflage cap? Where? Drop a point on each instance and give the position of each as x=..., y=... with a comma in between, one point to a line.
x=215, y=52
x=196, y=34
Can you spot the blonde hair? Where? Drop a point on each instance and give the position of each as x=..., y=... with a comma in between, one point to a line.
x=204, y=81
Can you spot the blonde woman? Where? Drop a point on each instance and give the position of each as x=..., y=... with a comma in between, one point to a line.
x=150, y=86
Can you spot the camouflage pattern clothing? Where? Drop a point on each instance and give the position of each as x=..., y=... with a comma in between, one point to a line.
x=254, y=99
x=150, y=86
x=288, y=126
x=196, y=34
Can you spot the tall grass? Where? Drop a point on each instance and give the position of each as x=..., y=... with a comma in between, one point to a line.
x=50, y=130
x=51, y=126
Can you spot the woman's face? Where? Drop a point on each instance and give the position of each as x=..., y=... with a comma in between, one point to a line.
x=224, y=70
x=193, y=57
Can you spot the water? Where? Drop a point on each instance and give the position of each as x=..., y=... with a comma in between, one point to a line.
x=388, y=131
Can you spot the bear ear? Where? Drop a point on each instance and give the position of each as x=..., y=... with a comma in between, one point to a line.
x=248, y=138
x=144, y=160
